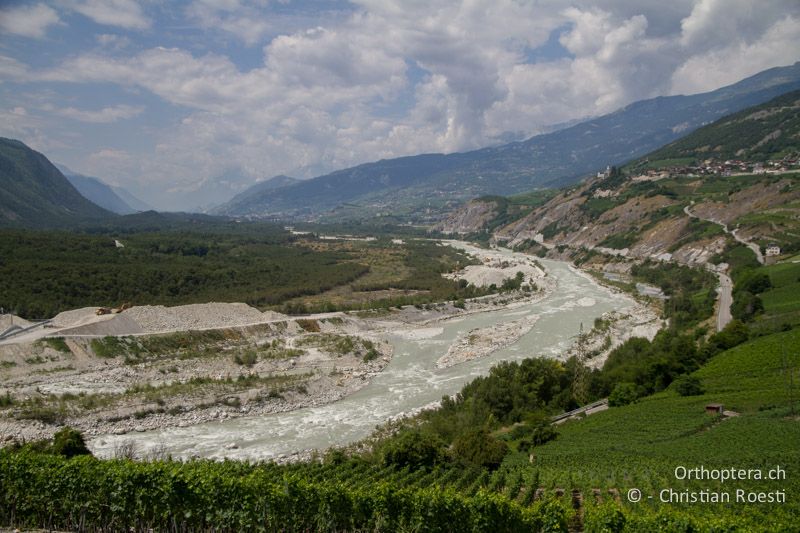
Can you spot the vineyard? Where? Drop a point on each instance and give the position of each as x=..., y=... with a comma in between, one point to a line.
x=579, y=481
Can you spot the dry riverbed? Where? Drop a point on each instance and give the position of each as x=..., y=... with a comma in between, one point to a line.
x=119, y=384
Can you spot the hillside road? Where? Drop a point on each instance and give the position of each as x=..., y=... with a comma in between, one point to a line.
x=725, y=292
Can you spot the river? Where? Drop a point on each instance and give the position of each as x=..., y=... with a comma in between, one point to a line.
x=410, y=381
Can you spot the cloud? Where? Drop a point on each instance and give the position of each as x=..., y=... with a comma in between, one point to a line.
x=112, y=41
x=126, y=14
x=28, y=21
x=102, y=116
x=110, y=163
x=385, y=78
x=246, y=22
x=706, y=71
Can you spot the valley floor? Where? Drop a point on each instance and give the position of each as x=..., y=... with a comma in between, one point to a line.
x=152, y=367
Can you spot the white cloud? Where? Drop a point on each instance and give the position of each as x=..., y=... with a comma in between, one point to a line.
x=126, y=14
x=110, y=163
x=390, y=78
x=28, y=21
x=708, y=70
x=101, y=116
x=244, y=21
x=112, y=41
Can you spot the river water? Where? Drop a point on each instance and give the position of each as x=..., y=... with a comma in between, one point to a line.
x=409, y=382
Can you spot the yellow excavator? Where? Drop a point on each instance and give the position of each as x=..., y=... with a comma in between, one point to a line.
x=113, y=310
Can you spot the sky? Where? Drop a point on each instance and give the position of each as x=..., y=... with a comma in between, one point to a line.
x=187, y=103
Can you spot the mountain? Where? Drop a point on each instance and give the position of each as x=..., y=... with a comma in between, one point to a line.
x=767, y=131
x=742, y=171
x=248, y=201
x=135, y=203
x=97, y=192
x=34, y=193
x=415, y=185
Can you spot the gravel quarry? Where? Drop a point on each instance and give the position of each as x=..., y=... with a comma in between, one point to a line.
x=150, y=319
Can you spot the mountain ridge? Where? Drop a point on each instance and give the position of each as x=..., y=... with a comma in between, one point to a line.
x=422, y=182
x=240, y=202
x=34, y=193
x=96, y=191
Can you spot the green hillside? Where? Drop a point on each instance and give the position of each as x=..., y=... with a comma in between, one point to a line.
x=767, y=131
x=34, y=193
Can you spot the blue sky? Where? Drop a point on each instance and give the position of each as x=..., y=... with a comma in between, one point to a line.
x=187, y=103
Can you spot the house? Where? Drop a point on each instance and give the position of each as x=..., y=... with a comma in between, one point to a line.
x=714, y=409
x=773, y=250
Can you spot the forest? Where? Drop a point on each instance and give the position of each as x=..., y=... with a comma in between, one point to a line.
x=45, y=272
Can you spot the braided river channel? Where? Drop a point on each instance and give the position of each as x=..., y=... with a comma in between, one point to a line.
x=409, y=382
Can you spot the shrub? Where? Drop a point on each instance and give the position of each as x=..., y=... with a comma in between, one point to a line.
x=480, y=448
x=746, y=306
x=310, y=325
x=623, y=394
x=248, y=358
x=57, y=343
x=689, y=386
x=414, y=449
x=69, y=443
x=734, y=334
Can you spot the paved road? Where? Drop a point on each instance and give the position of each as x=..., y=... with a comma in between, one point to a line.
x=753, y=246
x=725, y=291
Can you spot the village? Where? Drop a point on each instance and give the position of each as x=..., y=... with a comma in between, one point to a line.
x=728, y=167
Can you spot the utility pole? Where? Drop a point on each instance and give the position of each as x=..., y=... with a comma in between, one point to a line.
x=579, y=379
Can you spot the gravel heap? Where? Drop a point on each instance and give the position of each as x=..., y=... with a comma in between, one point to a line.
x=155, y=318
x=6, y=321
x=75, y=317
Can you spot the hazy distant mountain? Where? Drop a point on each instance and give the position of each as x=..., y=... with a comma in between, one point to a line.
x=34, y=193
x=249, y=200
x=410, y=185
x=135, y=203
x=97, y=192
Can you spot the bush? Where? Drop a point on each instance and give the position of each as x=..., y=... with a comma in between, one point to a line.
x=734, y=334
x=248, y=358
x=536, y=431
x=414, y=449
x=689, y=386
x=69, y=443
x=757, y=283
x=478, y=447
x=308, y=324
x=746, y=306
x=623, y=394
